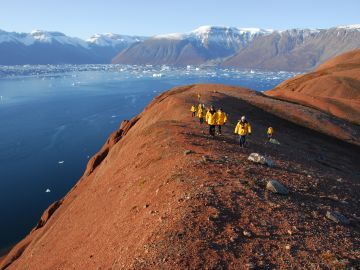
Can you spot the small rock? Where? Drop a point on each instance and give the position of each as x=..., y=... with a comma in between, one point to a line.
x=257, y=158
x=187, y=152
x=276, y=187
x=274, y=141
x=337, y=217
x=247, y=233
x=146, y=205
x=205, y=158
x=287, y=247
x=250, y=266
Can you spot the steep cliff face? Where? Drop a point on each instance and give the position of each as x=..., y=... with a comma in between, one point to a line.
x=333, y=87
x=162, y=194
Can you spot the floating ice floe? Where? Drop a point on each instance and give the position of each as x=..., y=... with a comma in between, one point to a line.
x=61, y=161
x=157, y=75
x=47, y=190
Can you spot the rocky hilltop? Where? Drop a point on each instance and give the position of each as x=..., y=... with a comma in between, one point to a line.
x=162, y=194
x=334, y=87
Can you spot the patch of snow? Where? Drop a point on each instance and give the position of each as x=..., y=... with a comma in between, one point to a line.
x=175, y=36
x=350, y=27
x=111, y=39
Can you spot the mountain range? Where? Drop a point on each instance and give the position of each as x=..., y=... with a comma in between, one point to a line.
x=249, y=48
x=43, y=47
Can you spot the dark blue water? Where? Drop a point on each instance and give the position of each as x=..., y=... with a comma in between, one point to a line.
x=52, y=119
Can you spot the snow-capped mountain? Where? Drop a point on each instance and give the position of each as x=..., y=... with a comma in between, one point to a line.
x=39, y=36
x=224, y=36
x=44, y=47
x=203, y=44
x=293, y=49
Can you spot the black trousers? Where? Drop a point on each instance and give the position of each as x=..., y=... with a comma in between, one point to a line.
x=193, y=114
x=212, y=130
x=219, y=129
x=201, y=120
x=242, y=140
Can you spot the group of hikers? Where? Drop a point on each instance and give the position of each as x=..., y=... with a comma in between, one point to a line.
x=217, y=118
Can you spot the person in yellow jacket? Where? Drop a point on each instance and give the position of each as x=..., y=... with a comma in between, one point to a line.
x=270, y=132
x=193, y=111
x=243, y=128
x=221, y=119
x=211, y=120
x=201, y=113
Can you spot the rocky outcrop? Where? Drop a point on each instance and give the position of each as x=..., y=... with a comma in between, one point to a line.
x=47, y=214
x=96, y=160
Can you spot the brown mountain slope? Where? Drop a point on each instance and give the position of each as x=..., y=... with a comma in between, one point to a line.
x=333, y=87
x=143, y=204
x=295, y=49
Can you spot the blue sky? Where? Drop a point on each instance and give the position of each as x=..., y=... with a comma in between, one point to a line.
x=148, y=17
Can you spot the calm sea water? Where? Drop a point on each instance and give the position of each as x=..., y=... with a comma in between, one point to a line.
x=53, y=118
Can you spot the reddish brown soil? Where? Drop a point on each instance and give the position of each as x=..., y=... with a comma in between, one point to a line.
x=143, y=204
x=334, y=87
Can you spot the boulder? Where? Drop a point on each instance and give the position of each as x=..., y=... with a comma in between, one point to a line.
x=276, y=187
x=257, y=158
x=274, y=141
x=337, y=217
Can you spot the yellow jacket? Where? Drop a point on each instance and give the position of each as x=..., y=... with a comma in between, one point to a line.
x=210, y=118
x=243, y=128
x=193, y=109
x=201, y=112
x=221, y=118
x=270, y=131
